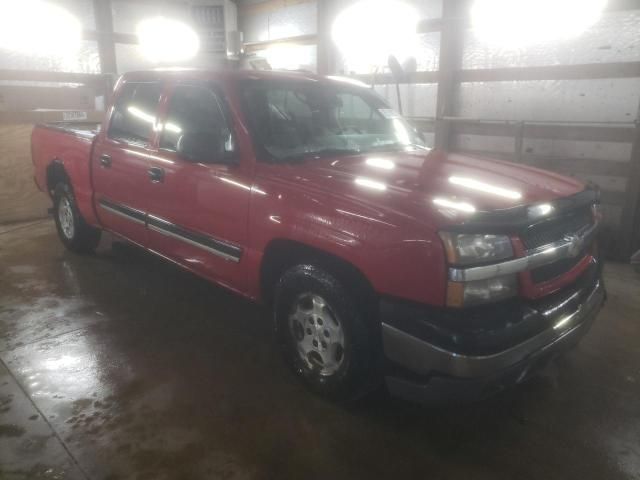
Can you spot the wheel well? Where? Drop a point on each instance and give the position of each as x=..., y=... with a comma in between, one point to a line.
x=55, y=175
x=282, y=254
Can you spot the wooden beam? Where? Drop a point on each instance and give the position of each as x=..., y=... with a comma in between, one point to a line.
x=104, y=31
x=623, y=133
x=298, y=40
x=269, y=6
x=23, y=98
x=387, y=78
x=48, y=116
x=585, y=166
x=552, y=72
x=325, y=50
x=450, y=61
x=615, y=5
x=125, y=38
x=631, y=211
x=429, y=25
x=97, y=80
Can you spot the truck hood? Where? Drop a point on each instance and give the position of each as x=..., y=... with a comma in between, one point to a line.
x=435, y=187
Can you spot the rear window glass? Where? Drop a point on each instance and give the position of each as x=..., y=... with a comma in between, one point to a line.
x=134, y=114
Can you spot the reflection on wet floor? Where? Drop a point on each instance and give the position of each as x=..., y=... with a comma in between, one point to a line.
x=121, y=366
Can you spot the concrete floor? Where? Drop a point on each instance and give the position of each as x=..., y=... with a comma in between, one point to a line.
x=121, y=366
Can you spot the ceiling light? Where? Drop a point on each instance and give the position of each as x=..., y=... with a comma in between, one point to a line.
x=166, y=40
x=517, y=23
x=369, y=31
x=35, y=27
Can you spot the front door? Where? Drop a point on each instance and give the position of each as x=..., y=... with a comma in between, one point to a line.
x=120, y=169
x=198, y=207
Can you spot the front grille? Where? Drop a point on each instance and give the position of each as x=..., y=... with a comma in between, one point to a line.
x=555, y=269
x=554, y=230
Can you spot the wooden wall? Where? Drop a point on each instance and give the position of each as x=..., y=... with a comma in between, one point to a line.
x=26, y=99
x=20, y=199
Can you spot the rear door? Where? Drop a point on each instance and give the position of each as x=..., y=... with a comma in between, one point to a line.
x=198, y=209
x=120, y=169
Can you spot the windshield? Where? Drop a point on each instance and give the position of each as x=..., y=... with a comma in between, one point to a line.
x=297, y=119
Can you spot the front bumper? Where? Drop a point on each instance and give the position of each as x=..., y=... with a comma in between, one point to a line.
x=425, y=367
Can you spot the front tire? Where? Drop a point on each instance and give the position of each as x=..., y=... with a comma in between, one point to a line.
x=76, y=234
x=323, y=334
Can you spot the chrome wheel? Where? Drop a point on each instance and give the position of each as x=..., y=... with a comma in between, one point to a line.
x=65, y=217
x=318, y=334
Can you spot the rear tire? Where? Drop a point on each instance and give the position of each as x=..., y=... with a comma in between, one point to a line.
x=74, y=232
x=324, y=336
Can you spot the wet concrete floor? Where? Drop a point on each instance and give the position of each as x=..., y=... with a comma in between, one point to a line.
x=119, y=366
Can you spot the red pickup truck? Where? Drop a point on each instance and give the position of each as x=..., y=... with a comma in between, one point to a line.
x=441, y=275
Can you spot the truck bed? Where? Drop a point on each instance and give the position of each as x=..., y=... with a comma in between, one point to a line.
x=79, y=129
x=68, y=145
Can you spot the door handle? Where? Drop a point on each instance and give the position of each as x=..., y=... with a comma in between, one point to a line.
x=105, y=160
x=156, y=174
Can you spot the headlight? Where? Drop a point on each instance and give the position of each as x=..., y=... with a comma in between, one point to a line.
x=467, y=294
x=465, y=249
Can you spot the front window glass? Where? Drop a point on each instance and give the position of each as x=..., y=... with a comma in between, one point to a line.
x=298, y=119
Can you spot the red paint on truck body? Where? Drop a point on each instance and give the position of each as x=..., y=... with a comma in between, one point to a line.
x=381, y=213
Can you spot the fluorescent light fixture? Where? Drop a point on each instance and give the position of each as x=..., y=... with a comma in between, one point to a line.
x=372, y=184
x=287, y=56
x=35, y=27
x=454, y=205
x=485, y=187
x=369, y=31
x=166, y=40
x=518, y=23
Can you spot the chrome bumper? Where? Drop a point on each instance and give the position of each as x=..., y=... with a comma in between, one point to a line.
x=424, y=358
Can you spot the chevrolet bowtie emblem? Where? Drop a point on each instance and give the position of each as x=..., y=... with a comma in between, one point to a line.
x=575, y=244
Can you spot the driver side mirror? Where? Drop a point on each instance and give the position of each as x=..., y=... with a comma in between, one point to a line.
x=207, y=147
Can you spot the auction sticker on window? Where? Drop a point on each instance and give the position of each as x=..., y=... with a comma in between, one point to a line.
x=71, y=116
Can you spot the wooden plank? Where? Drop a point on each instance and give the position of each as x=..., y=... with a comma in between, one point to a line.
x=565, y=166
x=552, y=72
x=48, y=116
x=297, y=40
x=473, y=127
x=631, y=211
x=21, y=98
x=450, y=61
x=602, y=133
x=616, y=5
x=387, y=78
x=19, y=197
x=106, y=46
x=590, y=166
x=596, y=133
x=126, y=38
x=269, y=6
x=326, y=49
x=54, y=77
x=422, y=124
x=429, y=25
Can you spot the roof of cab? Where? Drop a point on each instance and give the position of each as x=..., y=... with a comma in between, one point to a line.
x=147, y=75
x=232, y=75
